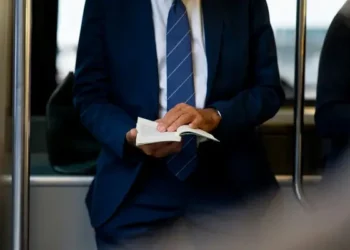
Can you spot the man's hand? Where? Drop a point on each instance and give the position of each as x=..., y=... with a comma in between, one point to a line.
x=158, y=150
x=183, y=114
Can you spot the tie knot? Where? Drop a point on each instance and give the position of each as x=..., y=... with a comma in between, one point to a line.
x=178, y=4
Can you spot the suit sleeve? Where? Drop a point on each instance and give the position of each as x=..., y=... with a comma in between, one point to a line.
x=333, y=89
x=262, y=100
x=105, y=120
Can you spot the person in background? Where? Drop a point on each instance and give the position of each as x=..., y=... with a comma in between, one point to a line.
x=332, y=116
x=208, y=64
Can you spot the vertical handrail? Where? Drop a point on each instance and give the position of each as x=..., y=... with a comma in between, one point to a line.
x=21, y=124
x=299, y=93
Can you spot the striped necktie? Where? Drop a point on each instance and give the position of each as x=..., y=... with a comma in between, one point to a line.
x=180, y=83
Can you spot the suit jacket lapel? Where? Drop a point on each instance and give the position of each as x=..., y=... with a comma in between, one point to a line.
x=213, y=26
x=149, y=56
x=137, y=15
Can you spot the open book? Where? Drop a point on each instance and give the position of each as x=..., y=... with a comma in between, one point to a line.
x=148, y=133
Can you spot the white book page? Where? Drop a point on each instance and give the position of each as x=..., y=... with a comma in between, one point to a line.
x=148, y=133
x=185, y=129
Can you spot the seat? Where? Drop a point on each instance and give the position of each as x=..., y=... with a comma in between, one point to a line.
x=72, y=149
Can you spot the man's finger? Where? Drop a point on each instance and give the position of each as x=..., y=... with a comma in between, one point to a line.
x=147, y=149
x=184, y=119
x=196, y=123
x=173, y=115
x=156, y=146
x=168, y=119
x=131, y=136
x=173, y=147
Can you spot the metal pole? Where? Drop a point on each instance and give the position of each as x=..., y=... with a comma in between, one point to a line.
x=299, y=88
x=21, y=121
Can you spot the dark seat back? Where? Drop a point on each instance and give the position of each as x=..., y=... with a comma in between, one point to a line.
x=71, y=148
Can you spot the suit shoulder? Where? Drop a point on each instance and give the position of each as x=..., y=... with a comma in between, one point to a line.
x=229, y=4
x=237, y=9
x=243, y=4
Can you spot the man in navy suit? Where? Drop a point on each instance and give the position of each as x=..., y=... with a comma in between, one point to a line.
x=209, y=64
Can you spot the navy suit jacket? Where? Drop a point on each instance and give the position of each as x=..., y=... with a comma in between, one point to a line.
x=117, y=81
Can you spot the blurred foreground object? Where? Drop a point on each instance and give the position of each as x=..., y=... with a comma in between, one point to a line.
x=324, y=227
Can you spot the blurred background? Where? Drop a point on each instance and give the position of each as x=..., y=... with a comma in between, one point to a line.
x=283, y=18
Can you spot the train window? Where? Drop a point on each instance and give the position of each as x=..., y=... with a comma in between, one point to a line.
x=69, y=20
x=283, y=19
x=319, y=16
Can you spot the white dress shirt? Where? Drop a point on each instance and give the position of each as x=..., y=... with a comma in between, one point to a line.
x=160, y=10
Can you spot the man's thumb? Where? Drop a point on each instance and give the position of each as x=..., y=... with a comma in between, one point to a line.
x=131, y=136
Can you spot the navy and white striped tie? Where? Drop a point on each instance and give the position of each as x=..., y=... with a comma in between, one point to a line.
x=180, y=83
